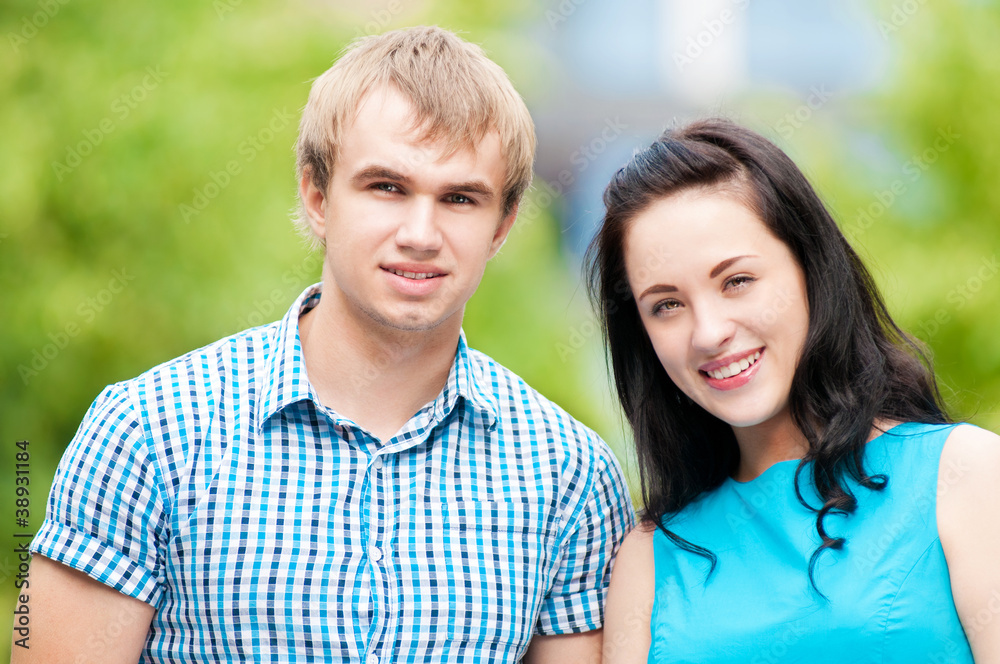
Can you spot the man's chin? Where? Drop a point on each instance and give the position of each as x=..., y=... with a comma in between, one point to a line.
x=411, y=322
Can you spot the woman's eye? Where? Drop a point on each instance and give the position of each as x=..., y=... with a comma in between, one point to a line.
x=665, y=306
x=737, y=282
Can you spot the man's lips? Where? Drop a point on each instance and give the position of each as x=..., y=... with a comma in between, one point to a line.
x=417, y=272
x=414, y=280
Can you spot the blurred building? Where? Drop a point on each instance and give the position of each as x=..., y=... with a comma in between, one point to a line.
x=626, y=70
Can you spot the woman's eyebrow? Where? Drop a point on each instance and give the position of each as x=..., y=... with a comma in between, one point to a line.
x=717, y=270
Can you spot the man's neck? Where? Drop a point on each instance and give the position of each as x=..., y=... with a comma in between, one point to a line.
x=375, y=376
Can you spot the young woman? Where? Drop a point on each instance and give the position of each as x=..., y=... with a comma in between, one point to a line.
x=806, y=497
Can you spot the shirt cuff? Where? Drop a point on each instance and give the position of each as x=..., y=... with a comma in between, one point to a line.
x=572, y=614
x=98, y=560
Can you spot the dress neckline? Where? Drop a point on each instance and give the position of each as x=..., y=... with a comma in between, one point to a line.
x=793, y=463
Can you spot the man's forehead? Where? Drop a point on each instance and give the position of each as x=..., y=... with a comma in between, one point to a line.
x=426, y=134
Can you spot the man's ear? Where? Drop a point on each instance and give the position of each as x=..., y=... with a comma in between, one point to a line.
x=314, y=204
x=503, y=230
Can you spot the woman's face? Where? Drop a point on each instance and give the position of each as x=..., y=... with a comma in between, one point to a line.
x=723, y=301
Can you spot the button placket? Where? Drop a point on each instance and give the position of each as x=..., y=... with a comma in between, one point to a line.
x=377, y=558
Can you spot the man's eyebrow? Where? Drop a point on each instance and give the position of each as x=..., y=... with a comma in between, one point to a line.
x=473, y=187
x=717, y=270
x=378, y=173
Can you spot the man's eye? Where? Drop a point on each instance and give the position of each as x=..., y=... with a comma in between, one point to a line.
x=460, y=199
x=385, y=186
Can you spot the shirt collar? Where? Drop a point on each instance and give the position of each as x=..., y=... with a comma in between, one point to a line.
x=285, y=380
x=466, y=380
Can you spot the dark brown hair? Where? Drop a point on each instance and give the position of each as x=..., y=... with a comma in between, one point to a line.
x=857, y=365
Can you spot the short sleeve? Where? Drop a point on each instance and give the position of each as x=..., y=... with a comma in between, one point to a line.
x=575, y=602
x=105, y=516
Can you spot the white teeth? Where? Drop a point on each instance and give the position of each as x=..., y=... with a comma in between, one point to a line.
x=413, y=275
x=735, y=368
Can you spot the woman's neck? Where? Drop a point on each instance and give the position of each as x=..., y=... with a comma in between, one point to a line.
x=779, y=439
x=765, y=444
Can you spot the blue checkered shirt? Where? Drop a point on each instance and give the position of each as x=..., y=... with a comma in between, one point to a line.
x=264, y=526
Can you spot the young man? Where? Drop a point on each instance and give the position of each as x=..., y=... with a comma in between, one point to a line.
x=352, y=482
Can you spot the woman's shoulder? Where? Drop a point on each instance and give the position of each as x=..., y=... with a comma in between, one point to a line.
x=968, y=485
x=908, y=449
x=949, y=439
x=968, y=523
x=636, y=552
x=631, y=595
x=970, y=461
x=966, y=434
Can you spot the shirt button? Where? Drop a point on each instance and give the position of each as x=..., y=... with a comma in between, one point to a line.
x=377, y=463
x=372, y=659
x=375, y=554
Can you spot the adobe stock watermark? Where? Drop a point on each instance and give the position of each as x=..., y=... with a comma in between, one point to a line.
x=959, y=296
x=765, y=491
x=121, y=107
x=35, y=23
x=900, y=15
x=248, y=149
x=581, y=158
x=86, y=313
x=264, y=310
x=780, y=646
x=638, y=617
x=794, y=120
x=380, y=19
x=580, y=334
x=912, y=170
x=712, y=29
x=923, y=503
x=983, y=618
x=782, y=303
x=951, y=651
x=562, y=12
x=577, y=339
x=225, y=7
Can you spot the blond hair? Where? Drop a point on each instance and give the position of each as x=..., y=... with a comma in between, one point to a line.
x=458, y=94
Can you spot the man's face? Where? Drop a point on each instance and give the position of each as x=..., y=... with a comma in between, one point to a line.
x=408, y=228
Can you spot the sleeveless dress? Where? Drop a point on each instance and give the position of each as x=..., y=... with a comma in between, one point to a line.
x=888, y=595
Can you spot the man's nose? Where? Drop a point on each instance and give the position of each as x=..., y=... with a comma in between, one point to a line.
x=418, y=229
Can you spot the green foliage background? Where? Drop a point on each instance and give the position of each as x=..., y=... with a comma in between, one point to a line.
x=229, y=72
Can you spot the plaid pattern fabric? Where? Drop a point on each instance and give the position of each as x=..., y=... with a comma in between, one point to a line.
x=265, y=527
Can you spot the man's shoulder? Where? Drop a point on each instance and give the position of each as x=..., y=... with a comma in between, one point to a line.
x=236, y=354
x=195, y=376
x=519, y=404
x=584, y=463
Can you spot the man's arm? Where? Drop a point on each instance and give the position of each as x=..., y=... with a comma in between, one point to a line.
x=583, y=648
x=77, y=620
x=575, y=601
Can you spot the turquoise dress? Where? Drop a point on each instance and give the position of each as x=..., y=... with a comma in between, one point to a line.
x=888, y=595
